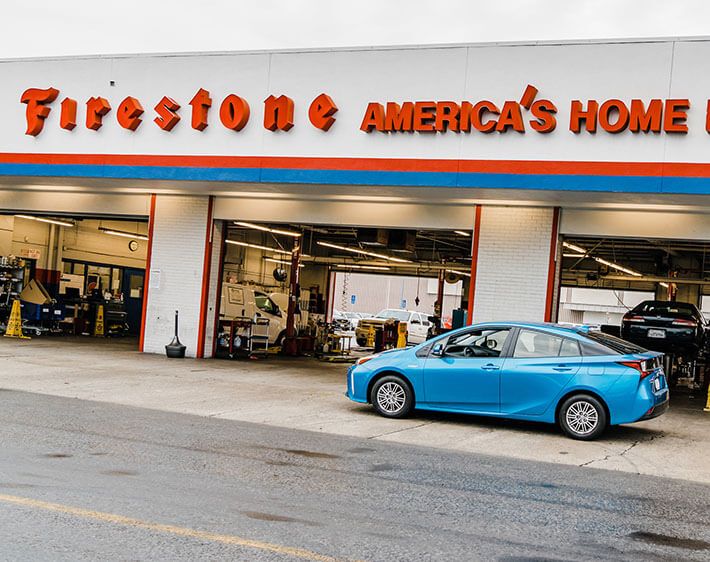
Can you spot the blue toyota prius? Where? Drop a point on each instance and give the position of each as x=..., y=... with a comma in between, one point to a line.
x=579, y=378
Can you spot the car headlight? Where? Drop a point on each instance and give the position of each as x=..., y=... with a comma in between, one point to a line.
x=364, y=359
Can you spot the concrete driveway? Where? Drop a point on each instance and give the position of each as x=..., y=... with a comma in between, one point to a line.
x=307, y=394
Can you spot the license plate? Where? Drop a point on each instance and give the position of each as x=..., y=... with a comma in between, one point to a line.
x=656, y=333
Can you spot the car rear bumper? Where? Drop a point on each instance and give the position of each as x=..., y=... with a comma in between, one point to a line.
x=676, y=340
x=657, y=410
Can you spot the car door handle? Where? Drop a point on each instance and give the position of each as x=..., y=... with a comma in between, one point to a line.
x=490, y=367
x=561, y=368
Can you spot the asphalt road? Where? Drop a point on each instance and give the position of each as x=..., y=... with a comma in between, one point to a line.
x=86, y=481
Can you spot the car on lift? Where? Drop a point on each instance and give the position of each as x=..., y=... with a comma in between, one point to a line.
x=671, y=327
x=581, y=379
x=417, y=325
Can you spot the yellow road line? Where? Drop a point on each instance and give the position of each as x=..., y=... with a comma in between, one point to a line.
x=172, y=529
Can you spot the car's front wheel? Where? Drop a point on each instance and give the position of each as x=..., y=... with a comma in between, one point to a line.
x=392, y=397
x=583, y=417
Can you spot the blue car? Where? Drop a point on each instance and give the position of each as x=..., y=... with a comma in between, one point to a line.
x=579, y=378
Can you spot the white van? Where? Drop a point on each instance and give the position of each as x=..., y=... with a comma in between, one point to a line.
x=246, y=300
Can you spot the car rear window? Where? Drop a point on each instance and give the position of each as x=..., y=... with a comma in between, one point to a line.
x=665, y=308
x=599, y=343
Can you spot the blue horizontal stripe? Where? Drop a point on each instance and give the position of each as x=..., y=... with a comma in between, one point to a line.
x=620, y=184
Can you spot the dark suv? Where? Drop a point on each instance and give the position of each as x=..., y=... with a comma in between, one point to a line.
x=670, y=327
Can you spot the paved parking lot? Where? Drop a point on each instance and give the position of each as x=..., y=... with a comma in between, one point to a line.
x=307, y=394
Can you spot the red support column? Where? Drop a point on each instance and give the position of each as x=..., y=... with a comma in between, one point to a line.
x=146, y=278
x=206, y=266
x=552, y=266
x=474, y=263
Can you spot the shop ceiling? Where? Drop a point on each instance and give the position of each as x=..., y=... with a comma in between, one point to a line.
x=399, y=250
x=635, y=263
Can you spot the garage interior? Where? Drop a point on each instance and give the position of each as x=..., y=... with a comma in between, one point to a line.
x=73, y=275
x=601, y=279
x=259, y=258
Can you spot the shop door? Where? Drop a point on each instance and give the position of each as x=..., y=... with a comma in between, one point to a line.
x=132, y=283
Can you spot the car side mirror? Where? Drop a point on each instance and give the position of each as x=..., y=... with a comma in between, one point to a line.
x=437, y=350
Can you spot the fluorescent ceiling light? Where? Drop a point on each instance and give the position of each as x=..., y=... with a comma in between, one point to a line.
x=123, y=233
x=458, y=272
x=257, y=247
x=50, y=221
x=369, y=267
x=618, y=267
x=267, y=229
x=283, y=262
x=461, y=233
x=573, y=247
x=362, y=252
x=662, y=284
x=583, y=254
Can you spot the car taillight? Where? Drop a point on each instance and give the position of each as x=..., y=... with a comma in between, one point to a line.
x=633, y=319
x=640, y=366
x=681, y=322
x=364, y=359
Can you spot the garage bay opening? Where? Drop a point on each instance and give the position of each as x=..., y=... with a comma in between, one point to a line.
x=338, y=292
x=651, y=292
x=72, y=277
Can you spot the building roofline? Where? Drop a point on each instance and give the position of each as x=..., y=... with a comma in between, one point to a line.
x=355, y=48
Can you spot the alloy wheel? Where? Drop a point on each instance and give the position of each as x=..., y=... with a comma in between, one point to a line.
x=582, y=417
x=391, y=397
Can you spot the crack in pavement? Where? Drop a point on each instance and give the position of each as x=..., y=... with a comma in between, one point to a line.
x=400, y=430
x=622, y=453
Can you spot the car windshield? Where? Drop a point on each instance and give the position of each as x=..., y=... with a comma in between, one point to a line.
x=265, y=304
x=665, y=308
x=401, y=315
x=613, y=343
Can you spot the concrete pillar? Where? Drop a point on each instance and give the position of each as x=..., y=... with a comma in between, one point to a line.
x=516, y=267
x=688, y=293
x=7, y=226
x=179, y=271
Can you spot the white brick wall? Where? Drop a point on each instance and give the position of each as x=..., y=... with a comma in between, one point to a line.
x=513, y=261
x=178, y=253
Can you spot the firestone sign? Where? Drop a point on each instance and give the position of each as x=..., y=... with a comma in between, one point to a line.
x=482, y=116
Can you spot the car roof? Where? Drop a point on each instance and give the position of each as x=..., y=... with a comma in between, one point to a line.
x=560, y=329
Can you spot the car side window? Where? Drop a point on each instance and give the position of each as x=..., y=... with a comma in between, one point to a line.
x=478, y=343
x=570, y=348
x=537, y=344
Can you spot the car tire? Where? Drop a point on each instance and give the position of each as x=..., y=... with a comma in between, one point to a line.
x=583, y=417
x=392, y=397
x=280, y=338
x=361, y=342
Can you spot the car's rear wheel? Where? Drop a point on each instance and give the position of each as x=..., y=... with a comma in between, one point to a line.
x=392, y=397
x=583, y=417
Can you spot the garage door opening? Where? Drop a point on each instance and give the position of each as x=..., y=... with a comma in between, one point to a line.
x=74, y=276
x=651, y=292
x=302, y=288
